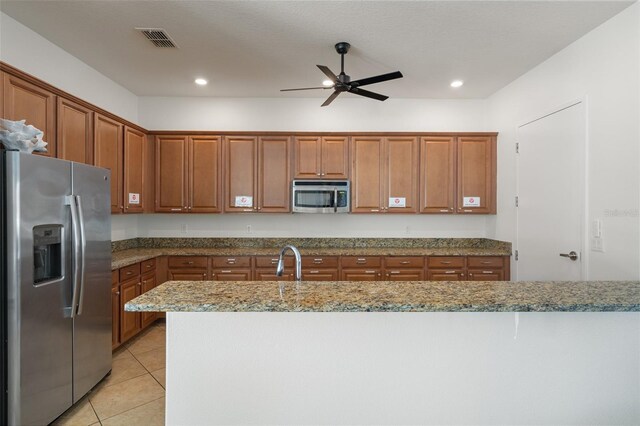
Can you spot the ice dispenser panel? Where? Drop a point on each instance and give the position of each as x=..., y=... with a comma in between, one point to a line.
x=47, y=253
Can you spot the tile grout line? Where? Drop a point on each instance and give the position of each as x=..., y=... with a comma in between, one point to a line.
x=126, y=411
x=94, y=411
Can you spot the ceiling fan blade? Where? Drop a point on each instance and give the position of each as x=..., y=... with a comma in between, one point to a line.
x=328, y=73
x=368, y=94
x=331, y=98
x=377, y=79
x=306, y=88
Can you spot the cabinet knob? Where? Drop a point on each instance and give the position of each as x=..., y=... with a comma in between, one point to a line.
x=204, y=275
x=259, y=208
x=318, y=174
x=118, y=293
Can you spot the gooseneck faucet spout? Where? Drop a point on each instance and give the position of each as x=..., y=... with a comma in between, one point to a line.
x=296, y=253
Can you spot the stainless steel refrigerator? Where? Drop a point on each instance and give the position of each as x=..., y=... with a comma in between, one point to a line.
x=56, y=285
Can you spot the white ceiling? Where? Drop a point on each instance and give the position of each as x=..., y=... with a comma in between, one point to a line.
x=255, y=48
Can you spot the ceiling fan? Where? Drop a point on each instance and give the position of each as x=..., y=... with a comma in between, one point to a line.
x=342, y=82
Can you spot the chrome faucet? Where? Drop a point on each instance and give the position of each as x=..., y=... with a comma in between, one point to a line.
x=280, y=267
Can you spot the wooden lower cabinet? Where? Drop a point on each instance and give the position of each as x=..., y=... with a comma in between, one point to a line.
x=148, y=283
x=130, y=322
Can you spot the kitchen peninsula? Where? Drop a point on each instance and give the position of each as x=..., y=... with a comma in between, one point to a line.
x=400, y=352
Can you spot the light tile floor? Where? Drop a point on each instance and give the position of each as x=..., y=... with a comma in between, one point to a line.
x=134, y=392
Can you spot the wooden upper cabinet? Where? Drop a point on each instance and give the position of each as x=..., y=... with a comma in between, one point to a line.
x=437, y=174
x=321, y=157
x=400, y=191
x=75, y=132
x=134, y=170
x=273, y=174
x=367, y=177
x=107, y=148
x=205, y=174
x=384, y=170
x=476, y=174
x=26, y=101
x=172, y=164
x=240, y=160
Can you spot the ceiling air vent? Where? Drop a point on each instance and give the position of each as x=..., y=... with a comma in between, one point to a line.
x=158, y=36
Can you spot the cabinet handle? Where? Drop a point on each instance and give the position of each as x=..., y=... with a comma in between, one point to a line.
x=231, y=261
x=449, y=272
x=259, y=208
x=148, y=266
x=394, y=272
x=444, y=210
x=487, y=272
x=317, y=261
x=485, y=262
x=405, y=262
x=378, y=274
x=461, y=275
x=318, y=174
x=314, y=272
x=374, y=210
x=140, y=284
x=321, y=174
x=176, y=210
x=274, y=261
x=467, y=211
x=189, y=207
x=129, y=272
x=185, y=207
x=247, y=210
x=225, y=272
x=447, y=262
x=204, y=275
x=369, y=272
x=189, y=262
x=361, y=261
x=255, y=208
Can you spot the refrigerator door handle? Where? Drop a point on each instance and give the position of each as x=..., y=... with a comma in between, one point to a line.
x=71, y=202
x=83, y=249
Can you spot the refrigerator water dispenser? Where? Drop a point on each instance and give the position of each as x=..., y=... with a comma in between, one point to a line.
x=47, y=253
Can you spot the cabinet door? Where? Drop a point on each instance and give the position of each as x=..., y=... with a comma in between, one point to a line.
x=404, y=274
x=367, y=177
x=115, y=317
x=335, y=157
x=486, y=275
x=205, y=174
x=401, y=175
x=231, y=275
x=134, y=170
x=320, y=275
x=437, y=174
x=446, y=275
x=148, y=282
x=273, y=175
x=360, y=275
x=187, y=275
x=26, y=101
x=75, y=132
x=129, y=321
x=171, y=174
x=307, y=153
x=240, y=159
x=107, y=142
x=476, y=170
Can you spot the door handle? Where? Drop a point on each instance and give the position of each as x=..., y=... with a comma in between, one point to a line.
x=571, y=255
x=83, y=246
x=75, y=228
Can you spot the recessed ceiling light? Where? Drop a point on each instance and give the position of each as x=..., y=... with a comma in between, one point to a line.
x=201, y=81
x=327, y=83
x=457, y=83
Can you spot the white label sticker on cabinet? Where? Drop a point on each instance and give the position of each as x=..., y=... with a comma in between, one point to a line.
x=244, y=201
x=134, y=198
x=470, y=201
x=397, y=202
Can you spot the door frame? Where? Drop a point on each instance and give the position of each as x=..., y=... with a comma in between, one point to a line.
x=583, y=157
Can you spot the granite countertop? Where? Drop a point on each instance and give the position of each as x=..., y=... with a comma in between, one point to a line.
x=130, y=256
x=390, y=296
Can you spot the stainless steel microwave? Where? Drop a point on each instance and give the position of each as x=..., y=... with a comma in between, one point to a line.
x=320, y=196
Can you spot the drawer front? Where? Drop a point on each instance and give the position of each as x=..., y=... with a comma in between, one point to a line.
x=320, y=275
x=485, y=262
x=446, y=275
x=188, y=262
x=404, y=262
x=231, y=274
x=272, y=261
x=360, y=261
x=114, y=278
x=231, y=261
x=129, y=272
x=445, y=262
x=360, y=275
x=319, y=261
x=404, y=274
x=485, y=275
x=148, y=265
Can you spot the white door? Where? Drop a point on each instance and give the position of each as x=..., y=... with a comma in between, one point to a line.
x=550, y=217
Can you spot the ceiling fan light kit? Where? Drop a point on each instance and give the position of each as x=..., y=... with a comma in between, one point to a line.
x=342, y=82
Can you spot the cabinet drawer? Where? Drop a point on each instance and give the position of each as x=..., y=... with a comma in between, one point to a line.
x=188, y=262
x=129, y=272
x=404, y=262
x=320, y=275
x=320, y=261
x=485, y=262
x=272, y=261
x=231, y=261
x=148, y=265
x=231, y=274
x=114, y=278
x=360, y=261
x=445, y=262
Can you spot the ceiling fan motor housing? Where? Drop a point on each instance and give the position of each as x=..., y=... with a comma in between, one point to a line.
x=343, y=47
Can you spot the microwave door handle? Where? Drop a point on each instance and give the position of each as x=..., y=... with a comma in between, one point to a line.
x=335, y=200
